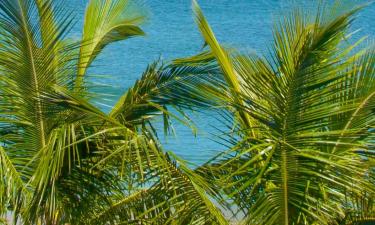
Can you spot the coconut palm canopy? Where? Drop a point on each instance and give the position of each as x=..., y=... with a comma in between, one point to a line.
x=302, y=123
x=301, y=150
x=63, y=160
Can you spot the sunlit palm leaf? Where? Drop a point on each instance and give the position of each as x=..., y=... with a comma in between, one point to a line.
x=106, y=22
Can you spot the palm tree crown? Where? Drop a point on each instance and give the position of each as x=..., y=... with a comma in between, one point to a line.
x=301, y=150
x=63, y=160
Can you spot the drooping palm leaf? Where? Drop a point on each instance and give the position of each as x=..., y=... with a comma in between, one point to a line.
x=106, y=22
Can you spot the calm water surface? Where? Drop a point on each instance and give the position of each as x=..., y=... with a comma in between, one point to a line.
x=171, y=33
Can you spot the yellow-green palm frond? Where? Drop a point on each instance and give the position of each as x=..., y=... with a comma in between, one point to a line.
x=106, y=22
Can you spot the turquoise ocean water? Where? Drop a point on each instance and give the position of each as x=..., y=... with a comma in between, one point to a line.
x=171, y=33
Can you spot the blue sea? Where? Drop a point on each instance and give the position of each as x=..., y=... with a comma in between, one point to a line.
x=172, y=33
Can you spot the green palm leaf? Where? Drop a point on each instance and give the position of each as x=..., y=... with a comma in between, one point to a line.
x=106, y=22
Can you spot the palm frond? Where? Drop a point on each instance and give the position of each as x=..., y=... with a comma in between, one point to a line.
x=106, y=22
x=222, y=57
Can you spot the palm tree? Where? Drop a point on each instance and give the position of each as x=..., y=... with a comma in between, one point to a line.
x=302, y=120
x=62, y=159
